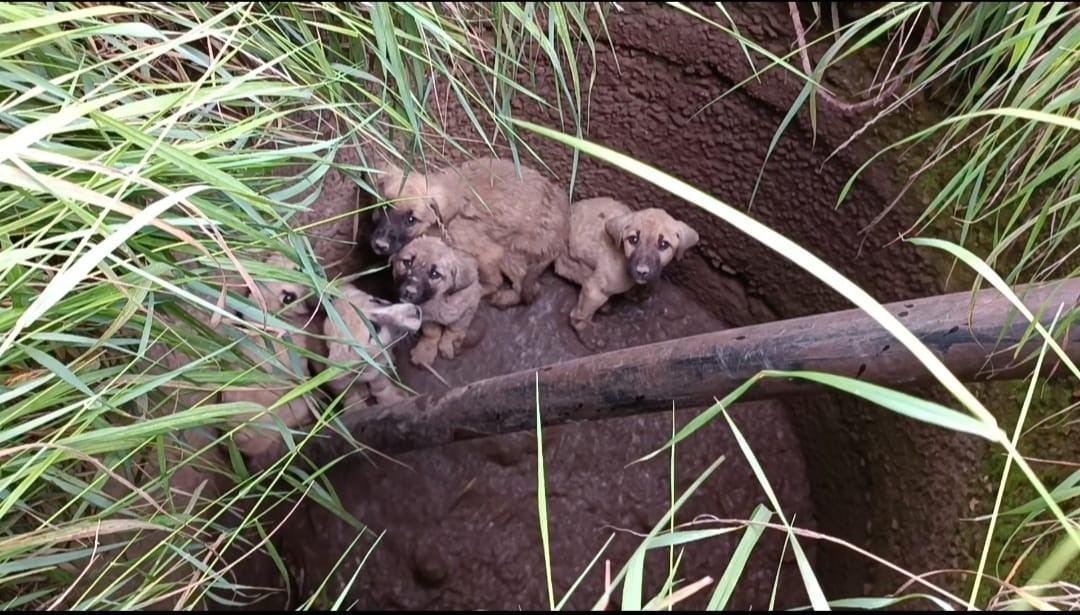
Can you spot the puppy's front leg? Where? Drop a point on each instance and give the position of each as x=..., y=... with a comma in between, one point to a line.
x=454, y=336
x=590, y=299
x=386, y=392
x=427, y=347
x=490, y=277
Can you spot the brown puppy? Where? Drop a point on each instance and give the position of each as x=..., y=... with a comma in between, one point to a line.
x=283, y=299
x=613, y=248
x=513, y=225
x=389, y=322
x=444, y=282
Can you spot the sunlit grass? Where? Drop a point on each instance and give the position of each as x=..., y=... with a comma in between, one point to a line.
x=149, y=153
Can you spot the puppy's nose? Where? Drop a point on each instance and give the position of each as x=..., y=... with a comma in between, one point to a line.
x=381, y=246
x=409, y=292
x=642, y=270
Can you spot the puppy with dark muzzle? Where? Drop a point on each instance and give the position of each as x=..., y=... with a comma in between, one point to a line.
x=514, y=225
x=389, y=323
x=286, y=300
x=613, y=248
x=444, y=282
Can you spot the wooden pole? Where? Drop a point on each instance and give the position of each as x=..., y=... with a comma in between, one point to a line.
x=976, y=342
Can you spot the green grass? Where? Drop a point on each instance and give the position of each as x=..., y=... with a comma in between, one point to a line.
x=150, y=153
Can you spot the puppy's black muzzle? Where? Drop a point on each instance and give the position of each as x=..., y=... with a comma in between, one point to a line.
x=415, y=290
x=387, y=238
x=644, y=268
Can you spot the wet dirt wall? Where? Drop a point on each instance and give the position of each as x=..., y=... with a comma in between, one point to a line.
x=461, y=521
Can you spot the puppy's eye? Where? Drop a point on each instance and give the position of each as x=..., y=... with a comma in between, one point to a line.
x=408, y=262
x=411, y=220
x=288, y=297
x=632, y=240
x=663, y=244
x=435, y=275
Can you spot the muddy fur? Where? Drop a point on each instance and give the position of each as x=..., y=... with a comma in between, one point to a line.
x=514, y=226
x=282, y=299
x=445, y=283
x=197, y=466
x=391, y=322
x=613, y=249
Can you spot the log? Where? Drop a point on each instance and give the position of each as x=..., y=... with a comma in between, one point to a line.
x=975, y=342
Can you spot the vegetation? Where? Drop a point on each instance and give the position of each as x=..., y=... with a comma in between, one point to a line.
x=150, y=152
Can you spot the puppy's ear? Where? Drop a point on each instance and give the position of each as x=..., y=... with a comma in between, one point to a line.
x=464, y=273
x=615, y=227
x=439, y=202
x=688, y=238
x=433, y=205
x=385, y=176
x=390, y=179
x=395, y=263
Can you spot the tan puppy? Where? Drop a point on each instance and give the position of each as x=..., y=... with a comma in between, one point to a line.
x=444, y=282
x=389, y=321
x=284, y=300
x=512, y=225
x=613, y=248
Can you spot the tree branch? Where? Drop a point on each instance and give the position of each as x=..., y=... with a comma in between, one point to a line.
x=976, y=342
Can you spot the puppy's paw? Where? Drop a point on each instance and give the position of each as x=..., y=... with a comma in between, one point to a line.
x=423, y=353
x=391, y=395
x=586, y=334
x=449, y=346
x=505, y=298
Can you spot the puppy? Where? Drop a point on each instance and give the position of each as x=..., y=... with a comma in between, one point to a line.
x=513, y=225
x=444, y=282
x=284, y=300
x=613, y=248
x=389, y=321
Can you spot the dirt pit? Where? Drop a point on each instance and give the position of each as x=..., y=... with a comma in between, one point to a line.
x=461, y=521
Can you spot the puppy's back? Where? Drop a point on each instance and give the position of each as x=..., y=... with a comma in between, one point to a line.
x=588, y=239
x=526, y=213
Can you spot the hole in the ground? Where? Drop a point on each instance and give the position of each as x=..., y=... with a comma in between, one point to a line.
x=589, y=459
x=472, y=522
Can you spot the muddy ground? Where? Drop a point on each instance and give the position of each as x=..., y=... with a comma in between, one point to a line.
x=460, y=522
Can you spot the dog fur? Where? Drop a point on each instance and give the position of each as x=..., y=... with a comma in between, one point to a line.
x=283, y=300
x=390, y=322
x=197, y=484
x=614, y=248
x=445, y=283
x=512, y=225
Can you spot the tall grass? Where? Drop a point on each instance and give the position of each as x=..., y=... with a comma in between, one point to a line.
x=150, y=153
